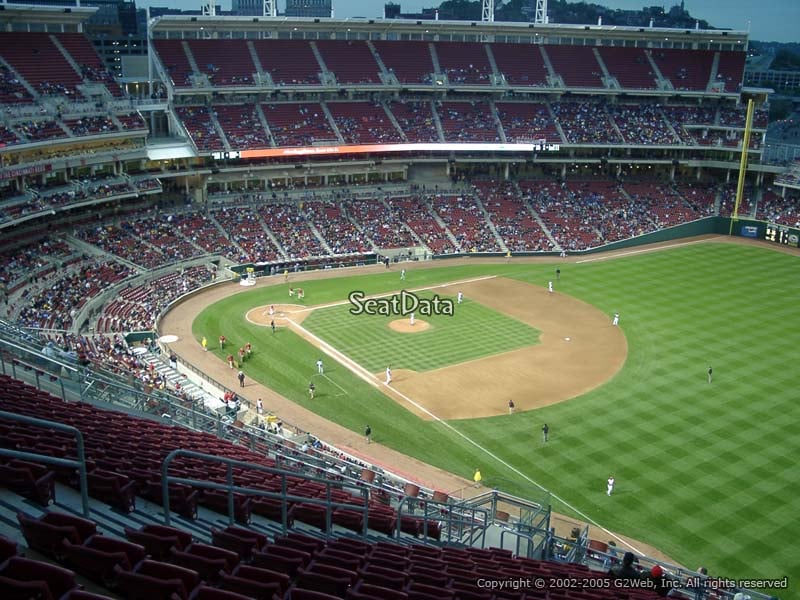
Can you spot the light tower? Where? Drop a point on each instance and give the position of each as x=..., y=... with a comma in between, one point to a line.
x=540, y=16
x=488, y=11
x=208, y=9
x=270, y=8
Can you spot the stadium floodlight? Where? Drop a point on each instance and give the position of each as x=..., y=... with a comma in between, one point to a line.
x=540, y=16
x=208, y=9
x=488, y=11
x=270, y=8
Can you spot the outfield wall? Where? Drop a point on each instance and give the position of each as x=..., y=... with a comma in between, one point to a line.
x=706, y=226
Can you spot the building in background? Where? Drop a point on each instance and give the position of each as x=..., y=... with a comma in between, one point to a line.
x=308, y=8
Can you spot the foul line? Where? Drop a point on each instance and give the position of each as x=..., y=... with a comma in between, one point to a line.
x=640, y=251
x=371, y=379
x=346, y=393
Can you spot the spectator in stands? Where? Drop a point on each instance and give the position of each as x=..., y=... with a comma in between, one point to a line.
x=626, y=570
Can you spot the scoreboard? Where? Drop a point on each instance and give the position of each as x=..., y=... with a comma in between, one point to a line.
x=781, y=234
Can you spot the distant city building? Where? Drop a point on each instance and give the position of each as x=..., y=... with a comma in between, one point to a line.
x=308, y=8
x=247, y=7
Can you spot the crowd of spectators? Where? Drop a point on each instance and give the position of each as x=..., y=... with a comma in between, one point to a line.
x=381, y=225
x=242, y=126
x=413, y=211
x=514, y=223
x=468, y=122
x=568, y=216
x=298, y=124
x=466, y=221
x=586, y=123
x=200, y=127
x=91, y=125
x=159, y=232
x=783, y=210
x=641, y=124
x=292, y=230
x=16, y=264
x=54, y=304
x=12, y=91
x=243, y=227
x=362, y=123
x=136, y=308
x=332, y=223
x=118, y=239
x=416, y=120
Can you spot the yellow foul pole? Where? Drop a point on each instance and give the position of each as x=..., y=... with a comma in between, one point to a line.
x=748, y=125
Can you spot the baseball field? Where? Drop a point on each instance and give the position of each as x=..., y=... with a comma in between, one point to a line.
x=705, y=472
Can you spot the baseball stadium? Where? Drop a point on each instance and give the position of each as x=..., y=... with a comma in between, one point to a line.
x=393, y=309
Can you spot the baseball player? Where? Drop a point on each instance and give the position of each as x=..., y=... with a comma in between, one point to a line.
x=616, y=319
x=320, y=369
x=610, y=485
x=460, y=297
x=311, y=388
x=230, y=360
x=550, y=286
x=402, y=275
x=259, y=407
x=710, y=371
x=204, y=343
x=272, y=324
x=271, y=310
x=511, y=407
x=222, y=342
x=388, y=375
x=412, y=320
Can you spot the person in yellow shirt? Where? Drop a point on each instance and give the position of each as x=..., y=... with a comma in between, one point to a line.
x=204, y=343
x=477, y=478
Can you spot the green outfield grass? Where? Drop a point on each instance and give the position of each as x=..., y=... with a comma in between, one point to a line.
x=706, y=472
x=474, y=331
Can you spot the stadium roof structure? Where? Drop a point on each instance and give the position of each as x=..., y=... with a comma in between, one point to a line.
x=408, y=29
x=12, y=16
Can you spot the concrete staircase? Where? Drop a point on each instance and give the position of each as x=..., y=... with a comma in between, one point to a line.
x=190, y=57
x=712, y=77
x=435, y=59
x=262, y=118
x=443, y=225
x=556, y=122
x=218, y=127
x=497, y=122
x=613, y=122
x=553, y=78
x=332, y=122
x=393, y=120
x=437, y=121
x=608, y=79
x=490, y=223
x=225, y=234
x=272, y=237
x=662, y=82
x=30, y=89
x=317, y=234
x=66, y=55
x=326, y=76
x=556, y=246
x=410, y=231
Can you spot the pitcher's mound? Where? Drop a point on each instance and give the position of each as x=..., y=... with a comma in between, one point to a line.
x=404, y=326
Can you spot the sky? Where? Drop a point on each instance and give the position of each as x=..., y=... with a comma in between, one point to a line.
x=770, y=20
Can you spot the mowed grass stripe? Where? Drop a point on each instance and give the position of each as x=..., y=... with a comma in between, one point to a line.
x=474, y=331
x=706, y=473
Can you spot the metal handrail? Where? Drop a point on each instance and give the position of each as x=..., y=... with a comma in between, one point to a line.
x=229, y=486
x=80, y=464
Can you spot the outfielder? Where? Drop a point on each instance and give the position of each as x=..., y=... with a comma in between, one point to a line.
x=388, y=375
x=320, y=370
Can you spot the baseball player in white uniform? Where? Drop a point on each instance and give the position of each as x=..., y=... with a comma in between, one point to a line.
x=460, y=297
x=616, y=319
x=388, y=375
x=550, y=286
x=412, y=319
x=320, y=370
x=402, y=275
x=610, y=486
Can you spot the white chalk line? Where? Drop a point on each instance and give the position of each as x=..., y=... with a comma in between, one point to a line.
x=640, y=251
x=372, y=380
x=346, y=393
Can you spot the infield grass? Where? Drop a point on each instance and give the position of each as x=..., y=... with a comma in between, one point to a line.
x=474, y=331
x=707, y=473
